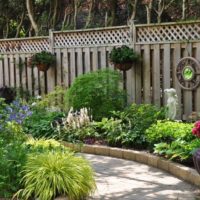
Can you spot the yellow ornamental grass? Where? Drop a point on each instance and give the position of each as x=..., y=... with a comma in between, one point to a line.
x=53, y=174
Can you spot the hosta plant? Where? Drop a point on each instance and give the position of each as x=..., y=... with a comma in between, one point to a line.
x=56, y=173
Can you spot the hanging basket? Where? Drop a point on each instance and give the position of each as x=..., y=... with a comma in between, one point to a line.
x=43, y=67
x=123, y=66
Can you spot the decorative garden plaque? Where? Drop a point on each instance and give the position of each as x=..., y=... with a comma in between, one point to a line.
x=188, y=73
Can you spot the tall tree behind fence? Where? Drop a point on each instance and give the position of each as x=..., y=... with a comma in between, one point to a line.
x=78, y=52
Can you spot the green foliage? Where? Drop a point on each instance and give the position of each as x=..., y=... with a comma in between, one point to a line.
x=178, y=150
x=98, y=91
x=53, y=99
x=128, y=127
x=167, y=131
x=12, y=158
x=43, y=145
x=123, y=54
x=43, y=57
x=39, y=124
x=52, y=174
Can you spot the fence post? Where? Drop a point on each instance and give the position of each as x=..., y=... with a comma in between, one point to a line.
x=130, y=76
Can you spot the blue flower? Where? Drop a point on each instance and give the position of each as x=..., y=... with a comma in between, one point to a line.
x=16, y=103
x=9, y=109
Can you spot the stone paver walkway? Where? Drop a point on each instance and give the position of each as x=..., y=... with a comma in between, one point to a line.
x=119, y=179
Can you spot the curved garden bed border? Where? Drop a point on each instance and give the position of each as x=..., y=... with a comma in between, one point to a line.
x=185, y=173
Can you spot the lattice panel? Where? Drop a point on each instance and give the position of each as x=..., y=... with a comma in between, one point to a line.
x=24, y=45
x=117, y=36
x=168, y=33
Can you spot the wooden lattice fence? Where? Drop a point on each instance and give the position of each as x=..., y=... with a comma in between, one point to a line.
x=78, y=52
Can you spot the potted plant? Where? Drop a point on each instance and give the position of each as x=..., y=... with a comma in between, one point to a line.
x=123, y=57
x=43, y=60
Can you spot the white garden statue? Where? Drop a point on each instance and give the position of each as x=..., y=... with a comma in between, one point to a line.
x=172, y=101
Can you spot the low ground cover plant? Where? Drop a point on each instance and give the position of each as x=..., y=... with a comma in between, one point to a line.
x=173, y=140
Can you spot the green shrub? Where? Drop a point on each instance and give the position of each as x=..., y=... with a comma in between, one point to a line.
x=52, y=174
x=53, y=99
x=178, y=150
x=98, y=91
x=39, y=124
x=167, y=131
x=12, y=158
x=128, y=127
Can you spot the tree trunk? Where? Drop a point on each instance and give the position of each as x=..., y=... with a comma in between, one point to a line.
x=149, y=9
x=20, y=25
x=160, y=10
x=90, y=13
x=75, y=12
x=29, y=6
x=113, y=8
x=133, y=14
x=184, y=10
x=54, y=14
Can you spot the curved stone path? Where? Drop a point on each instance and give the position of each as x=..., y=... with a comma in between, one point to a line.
x=119, y=179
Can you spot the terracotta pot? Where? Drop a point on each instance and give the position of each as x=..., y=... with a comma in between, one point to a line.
x=196, y=160
x=43, y=67
x=123, y=66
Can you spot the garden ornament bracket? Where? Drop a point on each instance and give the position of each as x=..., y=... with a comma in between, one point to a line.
x=188, y=73
x=172, y=101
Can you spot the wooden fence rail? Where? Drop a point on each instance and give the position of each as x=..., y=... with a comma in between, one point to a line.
x=79, y=52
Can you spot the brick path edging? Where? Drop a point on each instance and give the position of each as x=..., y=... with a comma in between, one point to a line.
x=185, y=173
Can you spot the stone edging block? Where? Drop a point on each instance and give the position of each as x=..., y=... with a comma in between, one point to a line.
x=178, y=170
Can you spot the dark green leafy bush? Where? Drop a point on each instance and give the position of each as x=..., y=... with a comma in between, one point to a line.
x=128, y=128
x=98, y=91
x=167, y=131
x=39, y=124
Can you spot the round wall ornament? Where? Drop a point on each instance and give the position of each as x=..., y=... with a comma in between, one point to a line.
x=188, y=73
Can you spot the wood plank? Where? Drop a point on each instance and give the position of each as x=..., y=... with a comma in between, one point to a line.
x=17, y=71
x=147, y=75
x=1, y=73
x=65, y=68
x=156, y=75
x=95, y=58
x=36, y=81
x=23, y=72
x=110, y=65
x=79, y=61
x=72, y=65
x=187, y=95
x=166, y=70
x=177, y=56
x=6, y=70
x=12, y=71
x=87, y=60
x=130, y=85
x=30, y=76
x=103, y=57
x=197, y=96
x=42, y=82
x=138, y=78
x=58, y=67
